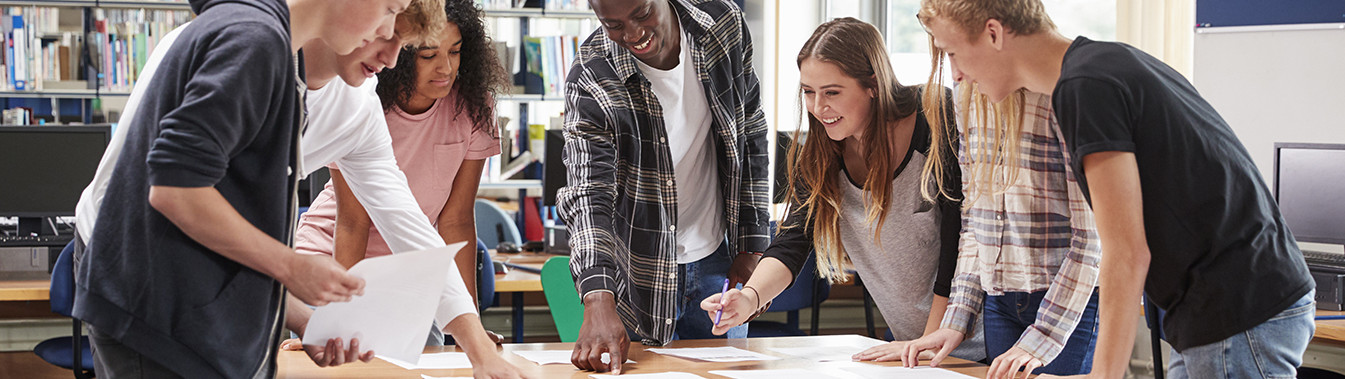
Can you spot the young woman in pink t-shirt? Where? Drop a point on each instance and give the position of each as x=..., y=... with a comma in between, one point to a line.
x=443, y=128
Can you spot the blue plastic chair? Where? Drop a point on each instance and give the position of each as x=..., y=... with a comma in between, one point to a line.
x=493, y=225
x=808, y=291
x=485, y=277
x=61, y=351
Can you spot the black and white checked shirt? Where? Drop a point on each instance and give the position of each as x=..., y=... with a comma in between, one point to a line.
x=620, y=202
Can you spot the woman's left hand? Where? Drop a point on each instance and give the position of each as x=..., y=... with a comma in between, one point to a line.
x=1006, y=366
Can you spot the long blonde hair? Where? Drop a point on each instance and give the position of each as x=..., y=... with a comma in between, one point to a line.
x=857, y=49
x=999, y=125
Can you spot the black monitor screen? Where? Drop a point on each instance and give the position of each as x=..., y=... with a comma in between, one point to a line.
x=1310, y=188
x=46, y=167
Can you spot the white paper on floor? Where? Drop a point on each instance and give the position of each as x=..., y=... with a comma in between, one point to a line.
x=773, y=374
x=898, y=372
x=658, y=375
x=433, y=361
x=401, y=295
x=551, y=357
x=715, y=354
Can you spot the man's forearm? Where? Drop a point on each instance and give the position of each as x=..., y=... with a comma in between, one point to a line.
x=296, y=315
x=208, y=218
x=1121, y=285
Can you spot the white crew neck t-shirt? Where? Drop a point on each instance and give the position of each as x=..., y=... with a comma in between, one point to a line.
x=687, y=121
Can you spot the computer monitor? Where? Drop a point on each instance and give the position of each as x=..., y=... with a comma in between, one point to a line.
x=553, y=177
x=1309, y=185
x=46, y=168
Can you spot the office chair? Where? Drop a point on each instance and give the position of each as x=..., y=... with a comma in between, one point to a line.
x=493, y=225
x=485, y=277
x=562, y=297
x=808, y=291
x=67, y=352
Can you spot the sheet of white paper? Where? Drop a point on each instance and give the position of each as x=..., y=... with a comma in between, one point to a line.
x=551, y=357
x=773, y=374
x=658, y=375
x=898, y=372
x=433, y=361
x=423, y=376
x=401, y=293
x=715, y=354
x=824, y=353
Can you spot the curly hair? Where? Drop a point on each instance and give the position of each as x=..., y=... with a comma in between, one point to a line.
x=480, y=75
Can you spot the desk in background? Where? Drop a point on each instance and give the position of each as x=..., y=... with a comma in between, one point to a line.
x=520, y=281
x=296, y=365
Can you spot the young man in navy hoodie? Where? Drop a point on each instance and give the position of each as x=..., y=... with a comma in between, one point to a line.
x=187, y=272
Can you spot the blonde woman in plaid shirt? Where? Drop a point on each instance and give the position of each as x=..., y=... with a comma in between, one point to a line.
x=1181, y=206
x=1029, y=249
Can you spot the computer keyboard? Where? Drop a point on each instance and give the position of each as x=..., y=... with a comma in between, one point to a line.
x=28, y=241
x=1324, y=259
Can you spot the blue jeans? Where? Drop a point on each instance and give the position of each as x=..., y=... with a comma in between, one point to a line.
x=1008, y=316
x=697, y=281
x=1273, y=349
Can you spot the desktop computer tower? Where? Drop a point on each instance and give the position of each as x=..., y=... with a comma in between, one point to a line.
x=1330, y=287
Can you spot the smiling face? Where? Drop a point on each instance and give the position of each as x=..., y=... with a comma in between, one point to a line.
x=647, y=28
x=356, y=23
x=437, y=67
x=975, y=58
x=839, y=102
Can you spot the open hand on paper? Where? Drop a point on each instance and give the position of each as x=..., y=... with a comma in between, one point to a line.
x=891, y=351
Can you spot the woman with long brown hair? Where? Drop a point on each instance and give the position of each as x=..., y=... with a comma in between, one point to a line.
x=856, y=192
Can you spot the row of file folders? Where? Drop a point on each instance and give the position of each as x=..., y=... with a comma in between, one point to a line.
x=47, y=48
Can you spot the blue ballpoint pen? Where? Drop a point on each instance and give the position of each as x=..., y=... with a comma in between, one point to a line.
x=720, y=313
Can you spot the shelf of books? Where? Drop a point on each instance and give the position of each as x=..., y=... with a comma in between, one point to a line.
x=78, y=49
x=150, y=4
x=48, y=48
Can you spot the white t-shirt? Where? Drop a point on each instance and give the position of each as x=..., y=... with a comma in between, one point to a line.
x=346, y=127
x=687, y=121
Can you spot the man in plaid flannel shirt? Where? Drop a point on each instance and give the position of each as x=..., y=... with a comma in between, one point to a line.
x=666, y=159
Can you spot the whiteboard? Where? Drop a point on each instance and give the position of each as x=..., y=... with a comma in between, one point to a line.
x=1274, y=86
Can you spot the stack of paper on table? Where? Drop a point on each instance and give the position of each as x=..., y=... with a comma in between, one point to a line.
x=715, y=354
x=658, y=375
x=392, y=318
x=826, y=353
x=898, y=372
x=550, y=357
x=433, y=361
x=774, y=374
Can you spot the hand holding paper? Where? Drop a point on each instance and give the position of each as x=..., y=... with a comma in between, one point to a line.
x=401, y=295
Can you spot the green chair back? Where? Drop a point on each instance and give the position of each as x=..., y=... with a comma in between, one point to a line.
x=562, y=298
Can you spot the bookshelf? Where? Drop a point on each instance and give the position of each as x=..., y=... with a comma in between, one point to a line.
x=62, y=58
x=552, y=29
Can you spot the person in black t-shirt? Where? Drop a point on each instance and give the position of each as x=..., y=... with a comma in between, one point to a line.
x=1182, y=212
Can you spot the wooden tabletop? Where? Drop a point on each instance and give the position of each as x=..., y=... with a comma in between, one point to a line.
x=518, y=280
x=25, y=290
x=296, y=365
x=1330, y=330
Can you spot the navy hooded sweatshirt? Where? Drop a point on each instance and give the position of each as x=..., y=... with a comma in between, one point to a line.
x=222, y=111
